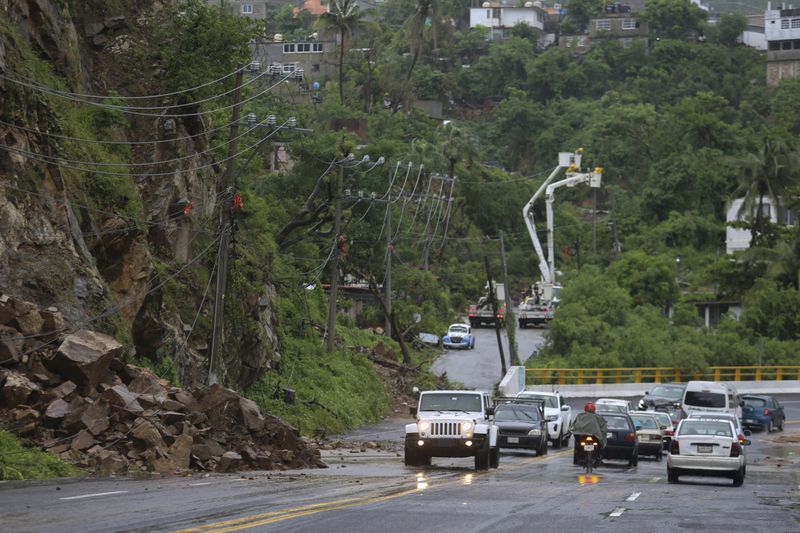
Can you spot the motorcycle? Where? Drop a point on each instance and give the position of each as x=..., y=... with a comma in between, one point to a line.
x=587, y=452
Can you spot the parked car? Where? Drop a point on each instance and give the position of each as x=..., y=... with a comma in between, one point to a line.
x=666, y=426
x=611, y=404
x=557, y=413
x=521, y=424
x=663, y=394
x=459, y=336
x=763, y=412
x=707, y=447
x=622, y=442
x=648, y=431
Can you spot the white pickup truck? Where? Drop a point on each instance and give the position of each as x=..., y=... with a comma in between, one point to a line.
x=557, y=413
x=453, y=423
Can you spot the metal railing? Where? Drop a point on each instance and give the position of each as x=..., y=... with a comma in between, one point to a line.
x=580, y=376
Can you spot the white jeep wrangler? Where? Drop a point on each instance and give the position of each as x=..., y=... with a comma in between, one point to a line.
x=452, y=423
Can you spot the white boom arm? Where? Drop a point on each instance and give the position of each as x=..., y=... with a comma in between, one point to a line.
x=573, y=178
x=565, y=160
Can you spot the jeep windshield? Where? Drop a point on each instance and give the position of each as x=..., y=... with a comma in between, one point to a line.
x=450, y=402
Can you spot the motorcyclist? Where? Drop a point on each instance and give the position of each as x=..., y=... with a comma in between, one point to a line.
x=589, y=423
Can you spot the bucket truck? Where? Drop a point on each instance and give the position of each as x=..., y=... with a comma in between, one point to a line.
x=542, y=297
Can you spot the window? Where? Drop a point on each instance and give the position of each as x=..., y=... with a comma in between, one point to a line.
x=247, y=9
x=496, y=13
x=795, y=23
x=289, y=67
x=317, y=47
x=628, y=24
x=603, y=24
x=288, y=48
x=627, y=43
x=304, y=47
x=784, y=24
x=315, y=67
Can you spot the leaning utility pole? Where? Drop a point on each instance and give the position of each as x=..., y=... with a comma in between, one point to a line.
x=225, y=229
x=337, y=223
x=496, y=321
x=387, y=285
x=511, y=321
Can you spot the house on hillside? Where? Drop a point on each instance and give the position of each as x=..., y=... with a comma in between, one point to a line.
x=502, y=15
x=620, y=22
x=782, y=31
x=738, y=239
x=753, y=35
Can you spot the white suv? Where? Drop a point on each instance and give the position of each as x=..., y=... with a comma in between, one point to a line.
x=452, y=423
x=557, y=413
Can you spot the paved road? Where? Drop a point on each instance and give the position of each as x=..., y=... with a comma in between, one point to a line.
x=371, y=490
x=480, y=368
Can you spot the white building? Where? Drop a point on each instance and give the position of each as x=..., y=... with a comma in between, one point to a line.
x=738, y=239
x=502, y=15
x=782, y=31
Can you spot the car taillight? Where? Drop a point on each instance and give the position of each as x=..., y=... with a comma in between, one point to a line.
x=766, y=412
x=741, y=438
x=736, y=449
x=675, y=448
x=631, y=436
x=669, y=433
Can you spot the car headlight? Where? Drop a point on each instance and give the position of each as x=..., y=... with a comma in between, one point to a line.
x=535, y=432
x=552, y=418
x=467, y=426
x=423, y=426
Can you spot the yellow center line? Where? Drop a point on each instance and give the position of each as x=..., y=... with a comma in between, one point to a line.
x=791, y=421
x=272, y=517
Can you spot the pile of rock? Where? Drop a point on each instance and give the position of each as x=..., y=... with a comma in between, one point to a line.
x=78, y=400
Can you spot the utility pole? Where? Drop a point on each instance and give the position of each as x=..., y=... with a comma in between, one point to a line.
x=511, y=321
x=594, y=222
x=496, y=321
x=225, y=229
x=387, y=285
x=337, y=222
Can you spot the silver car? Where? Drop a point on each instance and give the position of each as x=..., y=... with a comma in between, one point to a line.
x=707, y=447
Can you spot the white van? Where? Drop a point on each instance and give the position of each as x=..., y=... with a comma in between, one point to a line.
x=711, y=396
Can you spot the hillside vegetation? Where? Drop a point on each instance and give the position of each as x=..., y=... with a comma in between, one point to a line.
x=680, y=127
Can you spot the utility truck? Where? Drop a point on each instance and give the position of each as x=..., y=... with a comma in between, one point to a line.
x=481, y=313
x=540, y=305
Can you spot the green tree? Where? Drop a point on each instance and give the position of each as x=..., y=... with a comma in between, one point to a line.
x=730, y=28
x=765, y=173
x=344, y=16
x=580, y=11
x=773, y=312
x=673, y=19
x=650, y=279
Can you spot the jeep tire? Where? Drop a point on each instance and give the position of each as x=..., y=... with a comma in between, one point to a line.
x=482, y=458
x=494, y=457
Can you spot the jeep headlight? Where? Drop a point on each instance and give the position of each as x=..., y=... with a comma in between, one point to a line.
x=535, y=432
x=467, y=426
x=423, y=426
x=552, y=418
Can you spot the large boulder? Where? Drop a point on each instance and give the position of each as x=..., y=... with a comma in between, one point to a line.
x=84, y=357
x=11, y=344
x=16, y=389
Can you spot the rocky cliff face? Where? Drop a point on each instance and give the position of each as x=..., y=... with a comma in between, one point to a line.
x=132, y=269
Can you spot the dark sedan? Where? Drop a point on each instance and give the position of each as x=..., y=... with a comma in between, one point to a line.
x=622, y=442
x=663, y=394
x=521, y=426
x=762, y=412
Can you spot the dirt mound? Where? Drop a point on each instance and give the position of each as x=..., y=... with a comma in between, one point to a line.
x=74, y=397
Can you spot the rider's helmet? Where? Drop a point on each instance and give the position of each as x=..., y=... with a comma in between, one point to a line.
x=589, y=407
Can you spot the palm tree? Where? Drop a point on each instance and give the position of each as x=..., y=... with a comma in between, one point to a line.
x=345, y=16
x=765, y=173
x=427, y=11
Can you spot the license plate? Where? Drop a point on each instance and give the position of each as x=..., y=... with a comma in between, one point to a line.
x=703, y=448
x=513, y=440
x=588, y=447
x=748, y=420
x=609, y=435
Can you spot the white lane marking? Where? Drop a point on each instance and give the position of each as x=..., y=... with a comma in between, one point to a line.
x=617, y=512
x=632, y=497
x=94, y=495
x=200, y=484
x=653, y=480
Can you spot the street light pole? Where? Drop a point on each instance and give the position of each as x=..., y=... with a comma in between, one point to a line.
x=387, y=285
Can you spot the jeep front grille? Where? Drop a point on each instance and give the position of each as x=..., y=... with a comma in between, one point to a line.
x=446, y=429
